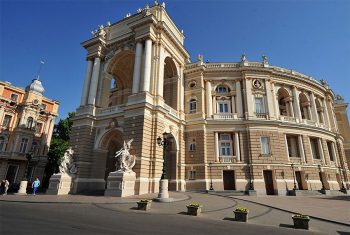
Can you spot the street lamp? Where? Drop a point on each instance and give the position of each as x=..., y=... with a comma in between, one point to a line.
x=211, y=179
x=251, y=186
x=341, y=178
x=295, y=185
x=163, y=195
x=320, y=173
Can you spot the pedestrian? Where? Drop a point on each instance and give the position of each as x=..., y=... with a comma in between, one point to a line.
x=2, y=187
x=6, y=186
x=35, y=185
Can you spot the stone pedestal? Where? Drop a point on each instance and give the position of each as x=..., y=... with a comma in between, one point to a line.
x=60, y=184
x=121, y=184
x=163, y=195
x=22, y=188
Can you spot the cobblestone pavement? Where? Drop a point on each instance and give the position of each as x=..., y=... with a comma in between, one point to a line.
x=216, y=207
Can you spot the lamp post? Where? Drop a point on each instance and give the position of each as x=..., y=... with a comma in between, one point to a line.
x=341, y=178
x=163, y=195
x=295, y=184
x=211, y=179
x=320, y=169
x=251, y=186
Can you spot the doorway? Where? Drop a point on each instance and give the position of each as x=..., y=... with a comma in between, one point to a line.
x=229, y=180
x=171, y=163
x=11, y=174
x=268, y=178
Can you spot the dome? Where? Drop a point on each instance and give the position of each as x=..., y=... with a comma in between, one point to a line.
x=36, y=87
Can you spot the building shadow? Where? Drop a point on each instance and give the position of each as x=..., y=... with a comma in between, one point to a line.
x=287, y=225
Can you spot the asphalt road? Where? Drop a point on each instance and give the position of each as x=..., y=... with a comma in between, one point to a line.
x=59, y=218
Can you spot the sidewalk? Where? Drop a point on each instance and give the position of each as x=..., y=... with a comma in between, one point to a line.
x=334, y=208
x=215, y=207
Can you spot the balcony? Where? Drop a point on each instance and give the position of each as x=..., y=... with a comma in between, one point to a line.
x=170, y=110
x=261, y=115
x=287, y=118
x=225, y=116
x=309, y=122
x=109, y=110
x=227, y=159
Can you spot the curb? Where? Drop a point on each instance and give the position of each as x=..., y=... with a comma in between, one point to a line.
x=289, y=211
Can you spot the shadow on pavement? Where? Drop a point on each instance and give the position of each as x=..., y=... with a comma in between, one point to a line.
x=182, y=213
x=287, y=225
x=343, y=233
x=341, y=198
x=229, y=219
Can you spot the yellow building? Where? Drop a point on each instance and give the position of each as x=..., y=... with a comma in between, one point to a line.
x=240, y=125
x=27, y=119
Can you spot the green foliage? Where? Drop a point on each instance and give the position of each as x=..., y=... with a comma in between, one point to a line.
x=242, y=209
x=145, y=201
x=301, y=216
x=196, y=205
x=59, y=144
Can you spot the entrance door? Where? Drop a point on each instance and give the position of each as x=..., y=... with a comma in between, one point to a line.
x=11, y=174
x=269, y=182
x=229, y=180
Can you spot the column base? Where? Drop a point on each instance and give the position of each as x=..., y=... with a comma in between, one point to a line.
x=22, y=188
x=163, y=195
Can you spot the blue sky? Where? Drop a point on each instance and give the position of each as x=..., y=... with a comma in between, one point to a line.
x=311, y=37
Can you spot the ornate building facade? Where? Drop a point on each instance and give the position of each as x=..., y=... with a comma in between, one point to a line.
x=27, y=119
x=238, y=125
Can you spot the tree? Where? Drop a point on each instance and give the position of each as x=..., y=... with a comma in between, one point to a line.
x=59, y=144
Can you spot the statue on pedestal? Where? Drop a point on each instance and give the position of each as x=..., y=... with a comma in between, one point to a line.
x=125, y=161
x=67, y=165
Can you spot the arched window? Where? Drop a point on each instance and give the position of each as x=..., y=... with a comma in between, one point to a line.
x=304, y=105
x=319, y=111
x=284, y=102
x=30, y=122
x=193, y=106
x=222, y=89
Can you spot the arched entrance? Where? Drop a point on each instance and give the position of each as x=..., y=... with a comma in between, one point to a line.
x=171, y=162
x=112, y=141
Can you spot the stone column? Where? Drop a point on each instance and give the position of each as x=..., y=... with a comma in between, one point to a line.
x=325, y=110
x=233, y=104
x=287, y=150
x=270, y=97
x=182, y=90
x=237, y=150
x=314, y=110
x=217, y=151
x=2, y=115
x=334, y=153
x=86, y=86
x=296, y=104
x=320, y=150
x=290, y=103
x=160, y=75
x=137, y=69
x=301, y=148
x=147, y=66
x=249, y=97
x=214, y=105
x=209, y=101
x=94, y=81
x=239, y=100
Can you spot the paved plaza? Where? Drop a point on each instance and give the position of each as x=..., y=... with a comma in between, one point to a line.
x=264, y=214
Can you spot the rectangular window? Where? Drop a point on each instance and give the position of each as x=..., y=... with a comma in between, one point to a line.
x=7, y=121
x=193, y=106
x=314, y=148
x=265, y=145
x=330, y=151
x=23, y=146
x=225, y=144
x=192, y=146
x=259, y=105
x=14, y=97
x=223, y=108
x=192, y=175
x=292, y=145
